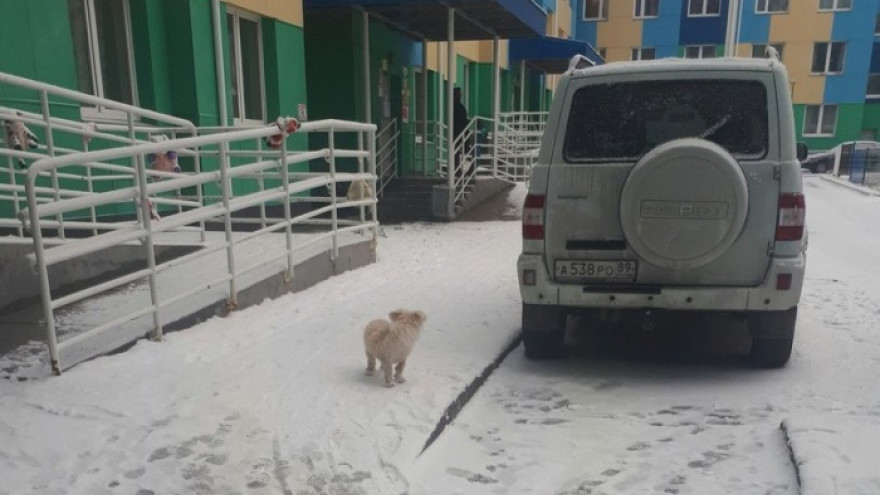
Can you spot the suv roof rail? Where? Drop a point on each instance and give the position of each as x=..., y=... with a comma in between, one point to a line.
x=580, y=62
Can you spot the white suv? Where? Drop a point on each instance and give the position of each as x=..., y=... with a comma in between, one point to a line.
x=670, y=185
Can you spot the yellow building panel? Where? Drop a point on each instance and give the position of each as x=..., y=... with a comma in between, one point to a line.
x=289, y=11
x=802, y=23
x=616, y=54
x=807, y=88
x=620, y=32
x=563, y=19
x=743, y=50
x=798, y=31
x=475, y=51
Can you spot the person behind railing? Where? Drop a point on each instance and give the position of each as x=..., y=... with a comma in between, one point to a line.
x=459, y=124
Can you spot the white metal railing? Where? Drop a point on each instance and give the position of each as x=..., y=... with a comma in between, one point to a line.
x=281, y=182
x=386, y=155
x=516, y=141
x=53, y=131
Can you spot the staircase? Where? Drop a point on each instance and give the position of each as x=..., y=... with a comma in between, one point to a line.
x=408, y=200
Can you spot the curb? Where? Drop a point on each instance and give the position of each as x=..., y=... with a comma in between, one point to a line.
x=458, y=404
x=794, y=462
x=867, y=191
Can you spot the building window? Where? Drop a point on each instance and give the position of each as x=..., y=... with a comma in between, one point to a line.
x=760, y=51
x=246, y=66
x=596, y=10
x=877, y=25
x=701, y=8
x=828, y=57
x=699, y=51
x=873, y=91
x=644, y=54
x=602, y=52
x=770, y=6
x=646, y=8
x=831, y=5
x=820, y=120
x=102, y=52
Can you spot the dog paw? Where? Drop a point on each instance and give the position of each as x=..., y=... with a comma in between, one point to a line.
x=389, y=384
x=399, y=379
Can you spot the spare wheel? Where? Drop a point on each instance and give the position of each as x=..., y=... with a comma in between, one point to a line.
x=684, y=204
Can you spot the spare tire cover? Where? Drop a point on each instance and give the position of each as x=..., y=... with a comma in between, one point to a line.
x=684, y=204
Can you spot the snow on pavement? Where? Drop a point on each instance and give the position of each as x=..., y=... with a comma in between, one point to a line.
x=835, y=453
x=273, y=399
x=682, y=412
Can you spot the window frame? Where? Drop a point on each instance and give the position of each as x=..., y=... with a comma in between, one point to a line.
x=780, y=48
x=819, y=120
x=767, y=10
x=639, y=6
x=872, y=96
x=603, y=11
x=640, y=51
x=702, y=49
x=826, y=70
x=235, y=43
x=704, y=9
x=99, y=113
x=835, y=7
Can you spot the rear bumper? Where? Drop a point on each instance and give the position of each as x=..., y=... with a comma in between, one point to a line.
x=764, y=297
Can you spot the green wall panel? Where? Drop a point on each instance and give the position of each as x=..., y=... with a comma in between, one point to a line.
x=871, y=118
x=481, y=91
x=849, y=126
x=151, y=54
x=285, y=70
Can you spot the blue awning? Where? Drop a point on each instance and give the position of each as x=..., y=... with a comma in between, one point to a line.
x=426, y=19
x=550, y=55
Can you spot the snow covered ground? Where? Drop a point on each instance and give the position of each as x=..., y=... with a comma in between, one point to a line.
x=273, y=399
x=681, y=412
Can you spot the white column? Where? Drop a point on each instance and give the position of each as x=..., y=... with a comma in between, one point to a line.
x=450, y=131
x=424, y=106
x=368, y=115
x=496, y=99
x=522, y=86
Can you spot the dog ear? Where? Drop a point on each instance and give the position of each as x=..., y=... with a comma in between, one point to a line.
x=421, y=316
x=397, y=314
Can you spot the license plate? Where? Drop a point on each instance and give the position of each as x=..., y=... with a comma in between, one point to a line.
x=596, y=271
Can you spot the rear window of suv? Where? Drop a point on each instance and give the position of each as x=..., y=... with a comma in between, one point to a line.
x=623, y=121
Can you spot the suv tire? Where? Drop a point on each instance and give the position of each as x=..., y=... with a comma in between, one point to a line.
x=770, y=353
x=543, y=331
x=772, y=337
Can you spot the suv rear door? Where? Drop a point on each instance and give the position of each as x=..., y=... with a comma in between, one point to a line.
x=608, y=124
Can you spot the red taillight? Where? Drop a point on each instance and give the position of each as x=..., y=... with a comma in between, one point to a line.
x=533, y=217
x=783, y=281
x=792, y=212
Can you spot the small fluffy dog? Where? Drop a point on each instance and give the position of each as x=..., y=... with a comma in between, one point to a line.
x=390, y=342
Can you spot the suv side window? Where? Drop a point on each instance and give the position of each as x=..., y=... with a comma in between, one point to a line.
x=623, y=121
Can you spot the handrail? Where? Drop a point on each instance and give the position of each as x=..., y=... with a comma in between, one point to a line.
x=195, y=211
x=92, y=100
x=386, y=155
